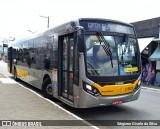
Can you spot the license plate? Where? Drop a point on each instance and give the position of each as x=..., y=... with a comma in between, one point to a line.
x=117, y=102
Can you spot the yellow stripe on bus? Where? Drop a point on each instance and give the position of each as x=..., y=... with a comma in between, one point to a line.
x=54, y=71
x=110, y=90
x=22, y=73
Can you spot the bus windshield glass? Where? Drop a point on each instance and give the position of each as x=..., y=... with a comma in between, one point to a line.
x=116, y=57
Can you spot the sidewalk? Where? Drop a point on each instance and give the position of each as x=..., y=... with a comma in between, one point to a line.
x=21, y=103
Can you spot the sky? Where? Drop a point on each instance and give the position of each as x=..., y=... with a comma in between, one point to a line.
x=19, y=16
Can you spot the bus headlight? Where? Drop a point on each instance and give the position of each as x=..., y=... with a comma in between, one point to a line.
x=90, y=89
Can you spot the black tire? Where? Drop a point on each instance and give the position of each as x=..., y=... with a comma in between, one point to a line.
x=15, y=75
x=47, y=89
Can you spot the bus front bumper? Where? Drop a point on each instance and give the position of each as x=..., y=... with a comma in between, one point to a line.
x=88, y=100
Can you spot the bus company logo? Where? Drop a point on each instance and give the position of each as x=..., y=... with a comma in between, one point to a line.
x=107, y=91
x=6, y=123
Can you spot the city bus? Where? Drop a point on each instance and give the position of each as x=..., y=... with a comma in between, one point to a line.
x=88, y=62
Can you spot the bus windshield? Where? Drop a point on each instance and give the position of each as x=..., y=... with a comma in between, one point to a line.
x=121, y=60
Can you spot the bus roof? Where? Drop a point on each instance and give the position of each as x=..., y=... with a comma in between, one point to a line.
x=67, y=25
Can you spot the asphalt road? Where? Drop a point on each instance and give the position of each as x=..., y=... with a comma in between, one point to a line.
x=146, y=108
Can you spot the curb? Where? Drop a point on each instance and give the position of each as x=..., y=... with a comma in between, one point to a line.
x=148, y=88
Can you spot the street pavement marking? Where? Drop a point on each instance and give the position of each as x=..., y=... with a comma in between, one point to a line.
x=2, y=76
x=7, y=81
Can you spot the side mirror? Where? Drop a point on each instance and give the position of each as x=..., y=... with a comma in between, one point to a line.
x=79, y=37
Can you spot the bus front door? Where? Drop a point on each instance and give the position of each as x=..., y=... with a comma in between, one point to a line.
x=66, y=72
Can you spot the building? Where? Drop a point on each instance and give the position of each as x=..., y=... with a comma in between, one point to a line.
x=148, y=32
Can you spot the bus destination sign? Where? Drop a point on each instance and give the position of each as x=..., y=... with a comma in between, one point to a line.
x=109, y=27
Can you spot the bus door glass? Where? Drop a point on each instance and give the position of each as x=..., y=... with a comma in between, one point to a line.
x=67, y=67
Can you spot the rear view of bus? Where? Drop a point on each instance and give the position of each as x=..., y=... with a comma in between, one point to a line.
x=109, y=62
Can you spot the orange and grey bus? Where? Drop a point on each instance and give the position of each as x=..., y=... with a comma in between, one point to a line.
x=83, y=63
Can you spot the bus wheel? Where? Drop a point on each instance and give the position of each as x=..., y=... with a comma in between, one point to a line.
x=15, y=75
x=47, y=89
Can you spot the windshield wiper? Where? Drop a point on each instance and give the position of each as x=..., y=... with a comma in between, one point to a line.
x=105, y=46
x=123, y=41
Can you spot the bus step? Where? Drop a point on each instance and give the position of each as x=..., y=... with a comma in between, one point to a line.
x=65, y=100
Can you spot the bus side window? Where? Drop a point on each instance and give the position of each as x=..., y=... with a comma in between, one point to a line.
x=47, y=62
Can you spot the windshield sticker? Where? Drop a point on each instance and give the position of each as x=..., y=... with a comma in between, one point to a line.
x=134, y=69
x=121, y=71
